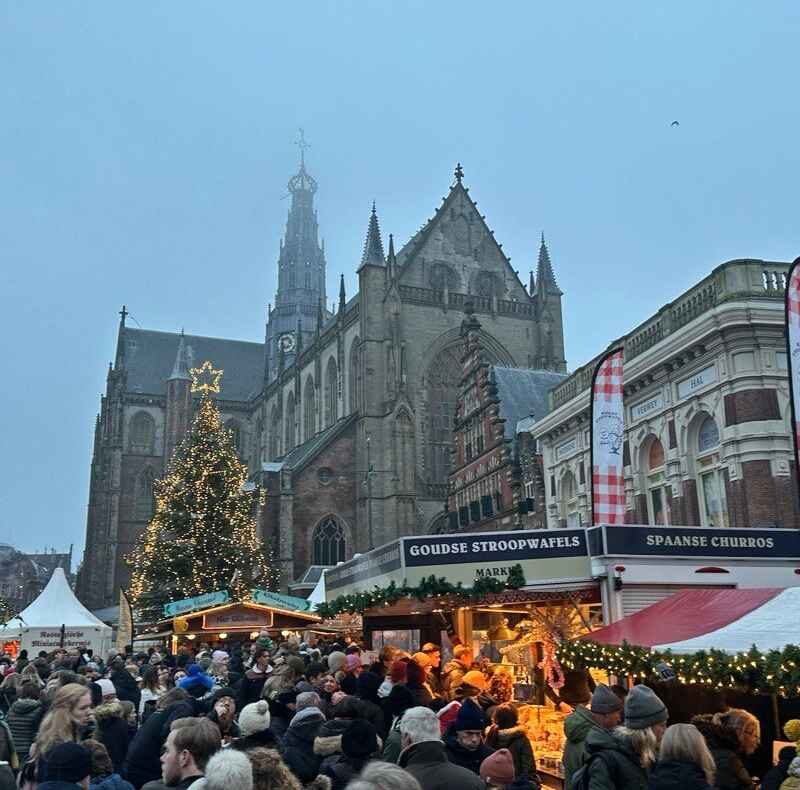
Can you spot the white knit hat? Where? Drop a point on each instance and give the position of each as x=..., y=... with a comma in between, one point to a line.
x=254, y=718
x=106, y=686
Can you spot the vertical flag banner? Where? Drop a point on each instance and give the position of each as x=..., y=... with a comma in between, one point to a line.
x=608, y=435
x=793, y=352
x=125, y=623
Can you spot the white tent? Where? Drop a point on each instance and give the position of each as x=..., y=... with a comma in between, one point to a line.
x=39, y=626
x=317, y=595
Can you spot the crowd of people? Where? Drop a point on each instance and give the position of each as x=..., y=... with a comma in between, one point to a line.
x=316, y=716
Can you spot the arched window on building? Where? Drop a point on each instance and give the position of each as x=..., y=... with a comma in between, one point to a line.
x=328, y=542
x=143, y=503
x=143, y=434
x=711, y=476
x=443, y=378
x=309, y=410
x=331, y=393
x=658, y=499
x=258, y=439
x=236, y=435
x=274, y=449
x=289, y=420
x=354, y=378
x=569, y=501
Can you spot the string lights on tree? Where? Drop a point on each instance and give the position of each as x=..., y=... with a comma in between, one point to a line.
x=203, y=535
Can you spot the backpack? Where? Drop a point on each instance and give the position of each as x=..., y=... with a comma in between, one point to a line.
x=580, y=779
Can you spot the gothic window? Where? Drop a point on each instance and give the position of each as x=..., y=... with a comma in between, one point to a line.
x=328, y=542
x=143, y=504
x=707, y=435
x=442, y=275
x=355, y=376
x=487, y=285
x=143, y=434
x=289, y=432
x=404, y=451
x=236, y=435
x=257, y=441
x=443, y=377
x=274, y=435
x=331, y=393
x=309, y=410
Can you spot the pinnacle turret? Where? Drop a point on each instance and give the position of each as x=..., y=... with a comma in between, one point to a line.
x=545, y=279
x=373, y=246
x=342, y=298
x=180, y=370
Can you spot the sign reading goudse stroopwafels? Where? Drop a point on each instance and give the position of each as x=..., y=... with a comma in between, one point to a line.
x=545, y=556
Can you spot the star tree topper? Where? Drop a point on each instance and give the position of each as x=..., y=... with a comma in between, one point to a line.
x=206, y=378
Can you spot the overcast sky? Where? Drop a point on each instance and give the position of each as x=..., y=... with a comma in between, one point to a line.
x=145, y=149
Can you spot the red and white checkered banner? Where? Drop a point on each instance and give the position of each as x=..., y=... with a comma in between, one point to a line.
x=608, y=435
x=793, y=351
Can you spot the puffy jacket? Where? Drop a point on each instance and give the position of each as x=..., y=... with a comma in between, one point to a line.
x=576, y=727
x=470, y=759
x=298, y=744
x=143, y=760
x=328, y=743
x=676, y=775
x=452, y=675
x=394, y=743
x=724, y=746
x=110, y=782
x=791, y=783
x=23, y=720
x=427, y=762
x=113, y=732
x=516, y=741
x=616, y=765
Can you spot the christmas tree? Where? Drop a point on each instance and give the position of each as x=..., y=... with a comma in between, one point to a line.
x=203, y=536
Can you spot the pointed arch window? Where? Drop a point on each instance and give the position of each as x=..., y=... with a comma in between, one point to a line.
x=328, y=542
x=258, y=439
x=309, y=410
x=289, y=437
x=143, y=503
x=143, y=434
x=236, y=435
x=331, y=393
x=355, y=376
x=274, y=434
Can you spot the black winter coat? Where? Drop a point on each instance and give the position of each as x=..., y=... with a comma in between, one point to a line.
x=113, y=732
x=427, y=762
x=249, y=688
x=23, y=720
x=373, y=713
x=470, y=759
x=265, y=739
x=776, y=775
x=344, y=769
x=143, y=761
x=724, y=746
x=298, y=747
x=674, y=775
x=126, y=687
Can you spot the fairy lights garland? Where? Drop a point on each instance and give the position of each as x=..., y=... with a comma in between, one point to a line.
x=430, y=587
x=773, y=672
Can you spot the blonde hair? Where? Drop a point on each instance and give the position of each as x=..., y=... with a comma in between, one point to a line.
x=685, y=743
x=643, y=742
x=58, y=726
x=737, y=719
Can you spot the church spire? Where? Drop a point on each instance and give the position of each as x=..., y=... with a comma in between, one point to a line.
x=545, y=279
x=342, y=298
x=180, y=370
x=373, y=246
x=391, y=261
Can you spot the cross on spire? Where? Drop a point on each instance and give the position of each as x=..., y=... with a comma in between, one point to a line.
x=123, y=314
x=459, y=172
x=302, y=145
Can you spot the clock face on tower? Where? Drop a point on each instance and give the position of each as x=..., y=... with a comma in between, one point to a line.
x=286, y=342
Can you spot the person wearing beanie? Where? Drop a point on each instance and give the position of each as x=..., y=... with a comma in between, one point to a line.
x=604, y=712
x=463, y=741
x=336, y=661
x=777, y=775
x=197, y=682
x=497, y=770
x=622, y=759
x=395, y=705
x=68, y=767
x=298, y=740
x=447, y=715
x=359, y=744
x=254, y=728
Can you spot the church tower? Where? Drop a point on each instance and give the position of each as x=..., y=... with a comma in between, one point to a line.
x=547, y=299
x=301, y=275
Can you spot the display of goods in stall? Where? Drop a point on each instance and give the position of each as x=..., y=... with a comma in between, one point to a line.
x=545, y=730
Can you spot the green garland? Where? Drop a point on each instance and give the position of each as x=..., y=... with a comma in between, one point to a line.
x=774, y=672
x=430, y=587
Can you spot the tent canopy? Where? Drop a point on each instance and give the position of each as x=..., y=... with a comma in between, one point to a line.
x=55, y=606
x=723, y=619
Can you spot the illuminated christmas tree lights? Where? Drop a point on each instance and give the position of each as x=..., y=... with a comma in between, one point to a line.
x=203, y=536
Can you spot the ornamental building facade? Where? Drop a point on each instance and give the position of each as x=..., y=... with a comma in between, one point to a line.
x=344, y=416
x=707, y=409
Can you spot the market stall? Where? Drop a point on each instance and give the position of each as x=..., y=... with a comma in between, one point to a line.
x=56, y=618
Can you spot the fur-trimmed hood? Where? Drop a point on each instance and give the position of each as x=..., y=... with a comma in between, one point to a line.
x=270, y=772
x=109, y=710
x=717, y=736
x=505, y=737
x=325, y=746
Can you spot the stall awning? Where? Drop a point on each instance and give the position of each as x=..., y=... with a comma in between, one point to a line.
x=694, y=620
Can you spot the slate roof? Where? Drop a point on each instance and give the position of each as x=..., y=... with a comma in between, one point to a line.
x=296, y=459
x=150, y=357
x=522, y=393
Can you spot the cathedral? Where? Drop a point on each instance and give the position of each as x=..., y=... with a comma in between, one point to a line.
x=344, y=417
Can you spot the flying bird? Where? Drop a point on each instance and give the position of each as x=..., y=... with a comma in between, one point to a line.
x=675, y=123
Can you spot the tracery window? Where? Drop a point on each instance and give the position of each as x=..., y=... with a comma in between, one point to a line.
x=328, y=542
x=143, y=434
x=143, y=502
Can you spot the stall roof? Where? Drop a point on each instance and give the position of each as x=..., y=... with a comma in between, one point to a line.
x=311, y=618
x=724, y=619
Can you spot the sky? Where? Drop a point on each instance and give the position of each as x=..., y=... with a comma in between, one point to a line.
x=145, y=149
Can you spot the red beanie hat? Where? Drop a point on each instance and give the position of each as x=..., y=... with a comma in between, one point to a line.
x=447, y=715
x=498, y=768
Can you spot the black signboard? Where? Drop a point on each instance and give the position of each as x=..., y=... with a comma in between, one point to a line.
x=701, y=542
x=494, y=547
x=373, y=563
